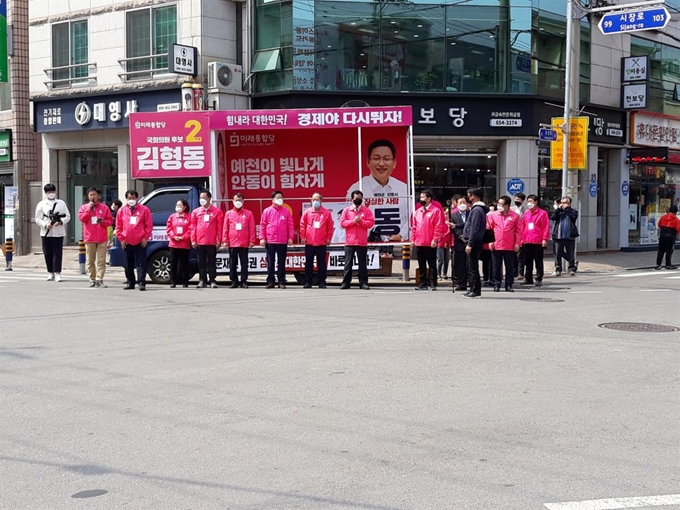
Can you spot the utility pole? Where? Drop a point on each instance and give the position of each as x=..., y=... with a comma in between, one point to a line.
x=572, y=83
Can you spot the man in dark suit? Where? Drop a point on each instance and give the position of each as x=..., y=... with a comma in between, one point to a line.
x=458, y=257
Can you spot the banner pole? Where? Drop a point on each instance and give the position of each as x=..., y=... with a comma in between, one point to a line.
x=361, y=187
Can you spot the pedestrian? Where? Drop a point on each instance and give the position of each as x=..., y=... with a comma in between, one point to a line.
x=458, y=257
x=51, y=215
x=356, y=220
x=519, y=207
x=134, y=227
x=239, y=236
x=473, y=233
x=535, y=235
x=564, y=235
x=444, y=254
x=115, y=205
x=669, y=228
x=316, y=233
x=276, y=235
x=207, y=222
x=96, y=218
x=485, y=257
x=178, y=229
x=427, y=230
x=507, y=229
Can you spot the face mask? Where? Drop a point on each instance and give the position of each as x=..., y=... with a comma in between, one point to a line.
x=238, y=205
x=556, y=206
x=357, y=201
x=423, y=202
x=51, y=196
x=179, y=209
x=279, y=202
x=132, y=203
x=113, y=209
x=316, y=204
x=530, y=205
x=462, y=207
x=203, y=202
x=518, y=203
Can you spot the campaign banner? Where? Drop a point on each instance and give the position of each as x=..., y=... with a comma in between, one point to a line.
x=295, y=261
x=170, y=146
x=312, y=119
x=259, y=162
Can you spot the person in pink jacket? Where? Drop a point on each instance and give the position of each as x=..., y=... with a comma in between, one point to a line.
x=316, y=232
x=276, y=234
x=427, y=230
x=178, y=229
x=507, y=229
x=134, y=227
x=535, y=235
x=97, y=219
x=357, y=220
x=239, y=236
x=206, y=236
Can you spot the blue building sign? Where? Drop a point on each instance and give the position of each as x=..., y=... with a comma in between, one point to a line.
x=100, y=112
x=625, y=187
x=515, y=186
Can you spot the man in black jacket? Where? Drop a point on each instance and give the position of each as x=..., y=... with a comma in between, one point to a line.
x=564, y=235
x=473, y=233
x=459, y=258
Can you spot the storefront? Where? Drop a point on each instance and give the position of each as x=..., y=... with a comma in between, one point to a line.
x=6, y=181
x=86, y=143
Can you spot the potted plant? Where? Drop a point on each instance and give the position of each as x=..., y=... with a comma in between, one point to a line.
x=426, y=79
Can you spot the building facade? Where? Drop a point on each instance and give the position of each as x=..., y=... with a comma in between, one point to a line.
x=95, y=63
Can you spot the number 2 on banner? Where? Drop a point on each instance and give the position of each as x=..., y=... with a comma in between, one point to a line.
x=195, y=127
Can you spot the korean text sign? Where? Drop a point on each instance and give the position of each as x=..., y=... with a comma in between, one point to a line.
x=578, y=144
x=170, y=146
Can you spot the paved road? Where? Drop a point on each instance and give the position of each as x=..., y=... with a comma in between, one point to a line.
x=329, y=399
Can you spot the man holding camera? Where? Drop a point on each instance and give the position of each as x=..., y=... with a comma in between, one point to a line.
x=96, y=218
x=51, y=215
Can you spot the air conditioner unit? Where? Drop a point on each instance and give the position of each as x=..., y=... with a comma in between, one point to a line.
x=225, y=77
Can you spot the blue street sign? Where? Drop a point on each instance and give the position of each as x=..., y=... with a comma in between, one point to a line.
x=547, y=135
x=625, y=187
x=593, y=189
x=634, y=21
x=515, y=186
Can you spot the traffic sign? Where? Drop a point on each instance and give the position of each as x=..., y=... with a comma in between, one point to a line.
x=634, y=21
x=547, y=135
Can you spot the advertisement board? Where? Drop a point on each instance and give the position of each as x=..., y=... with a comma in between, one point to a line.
x=578, y=144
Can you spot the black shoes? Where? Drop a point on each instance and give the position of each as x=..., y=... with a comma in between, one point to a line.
x=201, y=285
x=344, y=286
x=172, y=285
x=433, y=288
x=539, y=283
x=271, y=285
x=129, y=286
x=496, y=288
x=364, y=287
x=671, y=267
x=527, y=282
x=234, y=286
x=461, y=288
x=244, y=285
x=471, y=295
x=213, y=285
x=307, y=286
x=322, y=285
x=509, y=289
x=422, y=287
x=142, y=286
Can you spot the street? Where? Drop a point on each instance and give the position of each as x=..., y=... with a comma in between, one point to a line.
x=329, y=399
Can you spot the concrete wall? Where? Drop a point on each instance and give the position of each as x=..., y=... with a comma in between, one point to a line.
x=518, y=158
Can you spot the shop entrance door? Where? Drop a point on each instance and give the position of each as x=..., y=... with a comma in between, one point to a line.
x=602, y=206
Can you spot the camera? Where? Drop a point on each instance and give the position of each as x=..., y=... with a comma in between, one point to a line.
x=56, y=218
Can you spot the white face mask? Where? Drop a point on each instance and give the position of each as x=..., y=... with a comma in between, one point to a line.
x=179, y=209
x=238, y=205
x=279, y=202
x=203, y=202
x=51, y=196
x=462, y=207
x=556, y=206
x=132, y=203
x=530, y=205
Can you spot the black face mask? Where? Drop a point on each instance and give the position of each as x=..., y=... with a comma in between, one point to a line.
x=518, y=203
x=357, y=201
x=423, y=202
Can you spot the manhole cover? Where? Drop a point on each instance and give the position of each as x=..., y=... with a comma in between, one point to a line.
x=541, y=300
x=89, y=494
x=641, y=327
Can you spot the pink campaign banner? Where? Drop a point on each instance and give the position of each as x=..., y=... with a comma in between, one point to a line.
x=312, y=119
x=170, y=145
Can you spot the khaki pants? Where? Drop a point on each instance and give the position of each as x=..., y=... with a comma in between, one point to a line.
x=96, y=251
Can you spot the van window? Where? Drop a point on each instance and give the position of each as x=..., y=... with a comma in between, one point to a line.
x=165, y=202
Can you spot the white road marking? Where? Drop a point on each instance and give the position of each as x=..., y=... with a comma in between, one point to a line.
x=585, y=292
x=672, y=277
x=616, y=503
x=656, y=290
x=394, y=292
x=633, y=275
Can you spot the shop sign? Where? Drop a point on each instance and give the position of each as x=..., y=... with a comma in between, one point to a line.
x=634, y=96
x=5, y=145
x=625, y=188
x=11, y=194
x=634, y=68
x=97, y=112
x=648, y=155
x=578, y=144
x=515, y=186
x=184, y=59
x=654, y=130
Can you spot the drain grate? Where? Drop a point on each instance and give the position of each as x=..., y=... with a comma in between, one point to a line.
x=541, y=300
x=89, y=494
x=638, y=327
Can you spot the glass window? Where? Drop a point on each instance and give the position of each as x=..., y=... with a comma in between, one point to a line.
x=149, y=33
x=69, y=48
x=664, y=74
x=6, y=92
x=452, y=174
x=268, y=60
x=165, y=202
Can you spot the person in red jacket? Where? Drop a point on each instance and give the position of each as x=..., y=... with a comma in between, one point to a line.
x=316, y=232
x=535, y=235
x=97, y=219
x=239, y=236
x=206, y=236
x=507, y=228
x=669, y=228
x=178, y=229
x=427, y=230
x=357, y=220
x=134, y=227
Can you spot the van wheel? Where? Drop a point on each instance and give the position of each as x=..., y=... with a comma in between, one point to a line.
x=158, y=267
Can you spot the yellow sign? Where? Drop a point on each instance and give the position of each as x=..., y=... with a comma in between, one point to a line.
x=578, y=144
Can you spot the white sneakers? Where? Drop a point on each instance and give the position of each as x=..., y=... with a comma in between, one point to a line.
x=50, y=277
x=57, y=277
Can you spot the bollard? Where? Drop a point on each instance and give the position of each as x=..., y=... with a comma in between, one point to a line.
x=406, y=261
x=81, y=256
x=9, y=252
